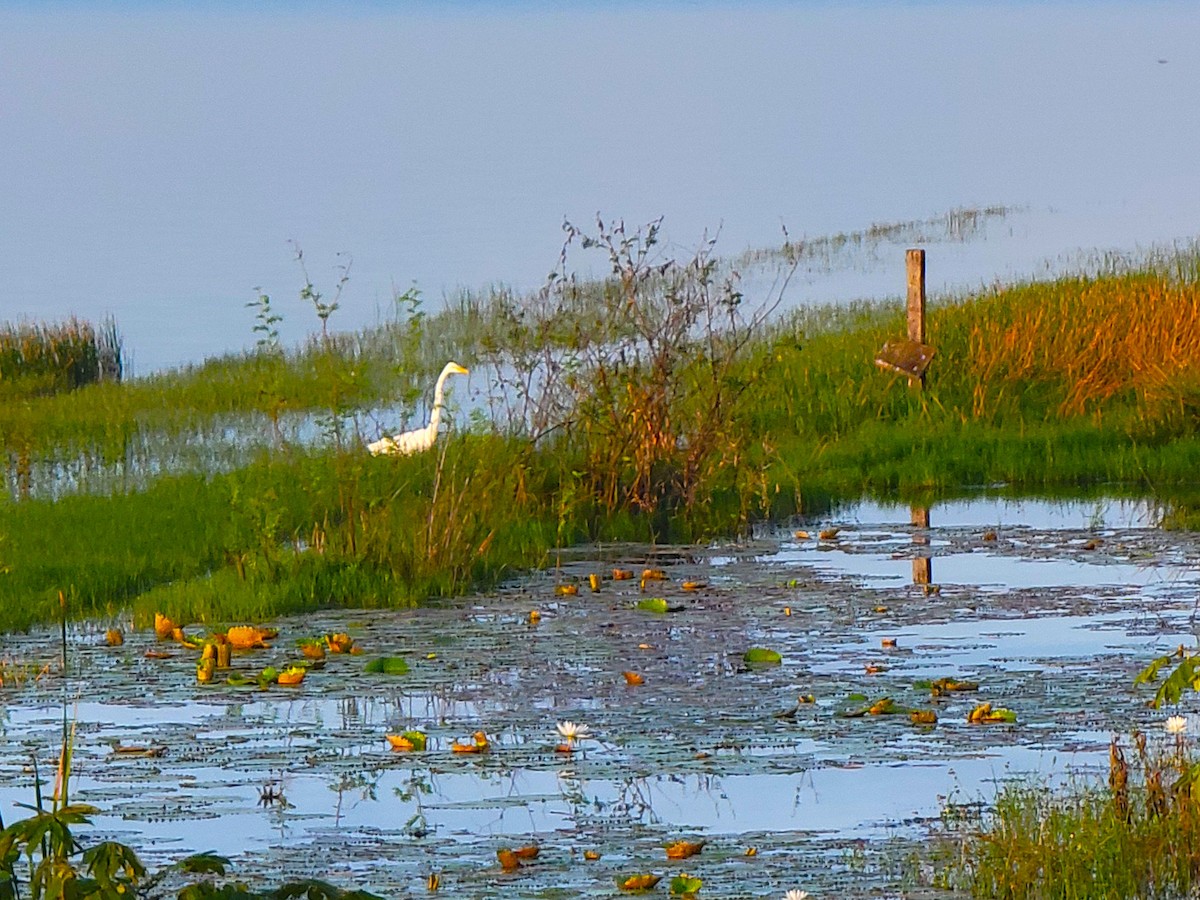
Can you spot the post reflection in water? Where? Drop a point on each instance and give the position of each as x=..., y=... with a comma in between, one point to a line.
x=922, y=572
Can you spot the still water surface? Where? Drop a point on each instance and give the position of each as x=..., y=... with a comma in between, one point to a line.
x=706, y=747
x=155, y=162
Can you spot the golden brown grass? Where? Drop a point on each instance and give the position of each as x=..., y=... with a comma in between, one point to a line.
x=1097, y=339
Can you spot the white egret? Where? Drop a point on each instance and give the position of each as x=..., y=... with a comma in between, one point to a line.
x=419, y=439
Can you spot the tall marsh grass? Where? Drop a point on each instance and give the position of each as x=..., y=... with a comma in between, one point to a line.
x=1136, y=836
x=46, y=358
x=1083, y=342
x=655, y=403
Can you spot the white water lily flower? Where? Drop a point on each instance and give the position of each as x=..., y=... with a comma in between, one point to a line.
x=572, y=732
x=794, y=894
x=1176, y=725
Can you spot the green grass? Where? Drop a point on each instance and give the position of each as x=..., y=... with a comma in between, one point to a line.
x=1138, y=836
x=38, y=359
x=213, y=509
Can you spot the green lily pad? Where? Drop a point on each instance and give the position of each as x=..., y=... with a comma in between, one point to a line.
x=1000, y=714
x=685, y=884
x=418, y=739
x=884, y=706
x=387, y=665
x=762, y=656
x=653, y=604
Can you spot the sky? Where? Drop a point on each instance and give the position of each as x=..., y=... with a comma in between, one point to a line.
x=160, y=162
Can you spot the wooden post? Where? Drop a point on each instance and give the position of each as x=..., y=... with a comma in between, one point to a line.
x=911, y=356
x=915, y=262
x=922, y=566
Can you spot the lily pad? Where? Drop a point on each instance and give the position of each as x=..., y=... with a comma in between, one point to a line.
x=644, y=882
x=762, y=656
x=986, y=714
x=946, y=685
x=884, y=706
x=685, y=885
x=418, y=739
x=387, y=665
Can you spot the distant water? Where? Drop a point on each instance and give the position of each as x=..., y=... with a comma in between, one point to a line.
x=154, y=163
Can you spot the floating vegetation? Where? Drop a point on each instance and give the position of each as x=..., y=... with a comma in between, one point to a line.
x=291, y=676
x=985, y=714
x=639, y=882
x=628, y=410
x=387, y=665
x=762, y=656
x=699, y=752
x=339, y=642
x=409, y=741
x=683, y=849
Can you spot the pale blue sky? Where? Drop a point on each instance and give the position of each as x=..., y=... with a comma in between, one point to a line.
x=156, y=159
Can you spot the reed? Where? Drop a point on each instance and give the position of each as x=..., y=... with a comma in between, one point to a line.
x=1136, y=836
x=239, y=488
x=1082, y=343
x=46, y=358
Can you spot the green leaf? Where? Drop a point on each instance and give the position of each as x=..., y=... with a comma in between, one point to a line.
x=387, y=665
x=685, y=884
x=77, y=813
x=418, y=739
x=761, y=656
x=653, y=605
x=207, y=863
x=114, y=866
x=1150, y=673
x=1180, y=680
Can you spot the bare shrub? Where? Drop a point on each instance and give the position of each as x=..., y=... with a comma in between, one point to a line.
x=635, y=373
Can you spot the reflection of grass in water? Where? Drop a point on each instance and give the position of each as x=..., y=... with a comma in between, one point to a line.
x=517, y=681
x=1137, y=837
x=15, y=673
x=844, y=249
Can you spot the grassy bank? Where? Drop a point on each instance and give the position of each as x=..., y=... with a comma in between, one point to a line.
x=660, y=403
x=1136, y=836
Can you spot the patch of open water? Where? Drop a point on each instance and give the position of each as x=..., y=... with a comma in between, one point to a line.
x=1052, y=614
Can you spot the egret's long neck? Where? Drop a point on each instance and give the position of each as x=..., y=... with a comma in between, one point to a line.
x=439, y=397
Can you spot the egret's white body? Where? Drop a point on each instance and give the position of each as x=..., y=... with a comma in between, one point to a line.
x=419, y=439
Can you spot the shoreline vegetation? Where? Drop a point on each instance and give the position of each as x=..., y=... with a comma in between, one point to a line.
x=666, y=402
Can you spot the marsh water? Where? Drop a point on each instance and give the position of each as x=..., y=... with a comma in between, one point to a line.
x=1051, y=608
x=156, y=160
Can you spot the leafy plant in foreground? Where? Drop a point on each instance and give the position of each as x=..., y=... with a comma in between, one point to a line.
x=1185, y=676
x=60, y=867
